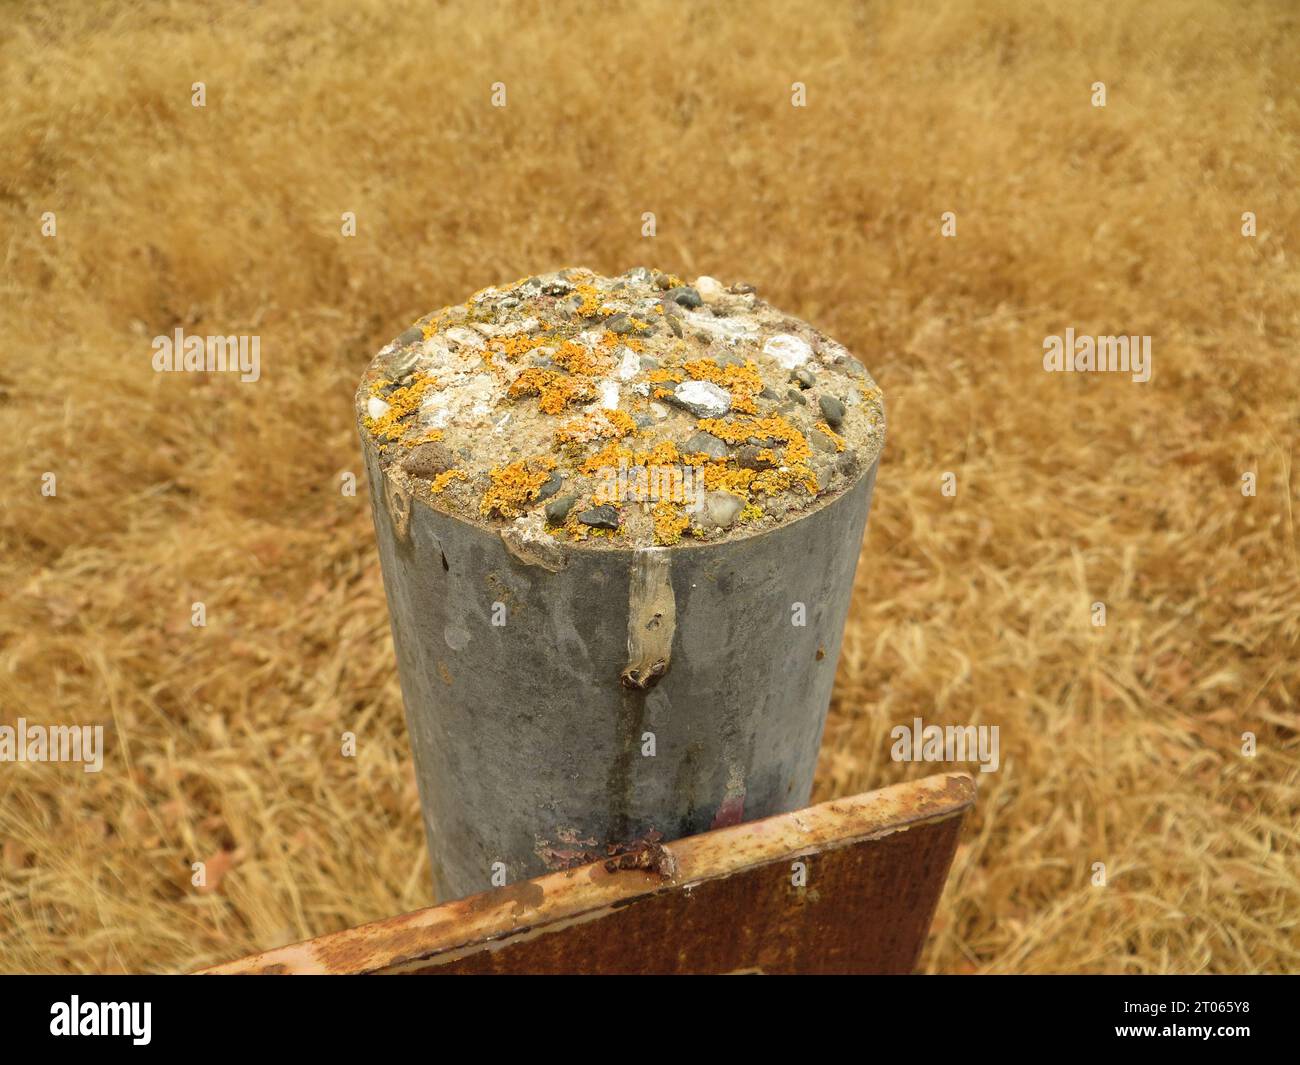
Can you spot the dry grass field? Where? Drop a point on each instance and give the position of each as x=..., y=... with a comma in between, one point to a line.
x=1120, y=744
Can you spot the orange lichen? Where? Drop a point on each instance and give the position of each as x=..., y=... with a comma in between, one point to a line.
x=720, y=477
x=598, y=425
x=581, y=360
x=514, y=486
x=445, y=478
x=835, y=437
x=402, y=403
x=554, y=389
x=670, y=521
x=796, y=470
x=514, y=347
x=610, y=455
x=590, y=304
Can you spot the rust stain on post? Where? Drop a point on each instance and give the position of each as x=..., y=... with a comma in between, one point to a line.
x=870, y=872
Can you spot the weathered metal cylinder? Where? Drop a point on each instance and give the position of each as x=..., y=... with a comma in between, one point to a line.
x=569, y=700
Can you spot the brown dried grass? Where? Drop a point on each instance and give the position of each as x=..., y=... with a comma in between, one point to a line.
x=1119, y=745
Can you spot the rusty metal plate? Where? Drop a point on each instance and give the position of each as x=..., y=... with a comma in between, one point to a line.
x=731, y=900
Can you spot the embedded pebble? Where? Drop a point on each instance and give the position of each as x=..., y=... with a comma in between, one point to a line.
x=803, y=378
x=686, y=296
x=718, y=510
x=788, y=350
x=630, y=366
x=704, y=399
x=622, y=324
x=821, y=442
x=749, y=458
x=706, y=443
x=558, y=509
x=429, y=459
x=710, y=289
x=376, y=407
x=550, y=486
x=602, y=517
x=832, y=411
x=466, y=338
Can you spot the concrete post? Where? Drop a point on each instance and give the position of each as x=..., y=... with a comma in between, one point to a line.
x=571, y=695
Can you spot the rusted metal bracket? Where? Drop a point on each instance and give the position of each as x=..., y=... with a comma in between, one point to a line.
x=847, y=886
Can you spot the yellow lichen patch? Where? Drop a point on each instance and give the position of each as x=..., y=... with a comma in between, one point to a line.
x=554, y=389
x=670, y=521
x=431, y=437
x=514, y=486
x=445, y=478
x=612, y=454
x=581, y=360
x=430, y=327
x=665, y=375
x=515, y=347
x=590, y=304
x=751, y=512
x=664, y=453
x=835, y=437
x=720, y=477
x=774, y=427
x=402, y=403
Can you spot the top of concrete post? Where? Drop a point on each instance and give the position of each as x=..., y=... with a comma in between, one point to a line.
x=625, y=412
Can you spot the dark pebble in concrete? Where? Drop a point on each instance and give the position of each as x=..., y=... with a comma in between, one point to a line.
x=428, y=460
x=602, y=517
x=748, y=457
x=706, y=443
x=550, y=487
x=558, y=509
x=821, y=442
x=686, y=296
x=832, y=411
